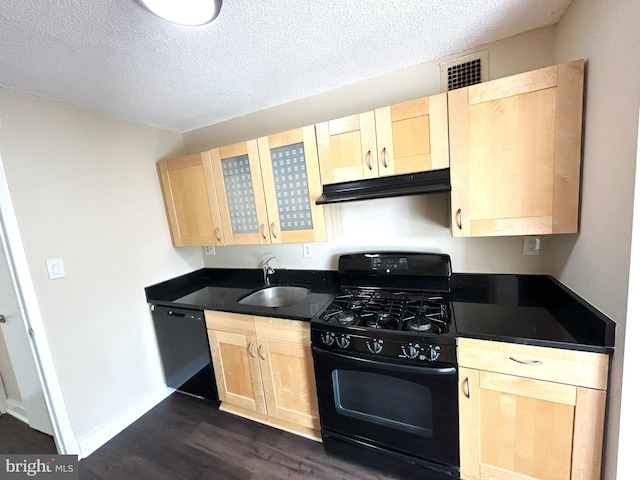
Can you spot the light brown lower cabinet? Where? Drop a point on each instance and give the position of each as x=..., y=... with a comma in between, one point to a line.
x=530, y=412
x=264, y=370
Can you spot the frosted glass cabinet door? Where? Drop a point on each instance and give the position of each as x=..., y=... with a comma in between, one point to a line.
x=240, y=194
x=291, y=175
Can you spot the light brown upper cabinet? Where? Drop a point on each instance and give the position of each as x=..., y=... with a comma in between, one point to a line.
x=267, y=189
x=407, y=137
x=190, y=200
x=515, y=153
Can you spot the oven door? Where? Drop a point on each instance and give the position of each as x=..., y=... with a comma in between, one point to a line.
x=412, y=410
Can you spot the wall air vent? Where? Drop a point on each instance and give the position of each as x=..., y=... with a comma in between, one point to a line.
x=464, y=71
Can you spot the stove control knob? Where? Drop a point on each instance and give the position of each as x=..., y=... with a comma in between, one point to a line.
x=414, y=350
x=328, y=338
x=344, y=340
x=434, y=353
x=376, y=347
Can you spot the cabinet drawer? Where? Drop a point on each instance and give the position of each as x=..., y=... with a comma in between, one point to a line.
x=284, y=330
x=230, y=322
x=585, y=369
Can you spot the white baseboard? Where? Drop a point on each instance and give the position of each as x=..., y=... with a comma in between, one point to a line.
x=15, y=409
x=101, y=435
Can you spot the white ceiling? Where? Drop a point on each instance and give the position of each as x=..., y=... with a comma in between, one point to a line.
x=114, y=57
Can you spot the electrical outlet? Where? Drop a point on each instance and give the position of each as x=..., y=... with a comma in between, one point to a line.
x=531, y=246
x=307, y=250
x=210, y=250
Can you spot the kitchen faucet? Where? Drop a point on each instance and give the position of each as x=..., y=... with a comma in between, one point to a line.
x=267, y=270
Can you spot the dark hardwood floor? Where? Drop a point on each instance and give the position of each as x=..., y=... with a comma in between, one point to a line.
x=187, y=439
x=184, y=438
x=18, y=437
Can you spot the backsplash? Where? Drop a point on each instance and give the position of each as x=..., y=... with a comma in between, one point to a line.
x=414, y=223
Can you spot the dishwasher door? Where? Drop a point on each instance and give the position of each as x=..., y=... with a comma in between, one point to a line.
x=184, y=348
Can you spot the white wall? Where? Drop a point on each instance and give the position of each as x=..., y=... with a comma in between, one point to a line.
x=85, y=189
x=415, y=223
x=596, y=263
x=627, y=464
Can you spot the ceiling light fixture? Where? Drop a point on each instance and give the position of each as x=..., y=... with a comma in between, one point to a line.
x=185, y=12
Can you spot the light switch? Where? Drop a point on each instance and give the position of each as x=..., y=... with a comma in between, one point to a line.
x=55, y=267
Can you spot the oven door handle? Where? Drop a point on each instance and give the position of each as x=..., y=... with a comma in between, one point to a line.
x=394, y=367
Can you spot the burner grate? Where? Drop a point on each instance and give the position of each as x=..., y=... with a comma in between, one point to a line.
x=389, y=310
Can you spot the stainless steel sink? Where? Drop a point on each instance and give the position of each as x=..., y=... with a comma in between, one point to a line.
x=276, y=296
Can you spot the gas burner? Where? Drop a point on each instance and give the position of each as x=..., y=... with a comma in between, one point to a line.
x=419, y=324
x=355, y=304
x=379, y=320
x=346, y=317
x=431, y=323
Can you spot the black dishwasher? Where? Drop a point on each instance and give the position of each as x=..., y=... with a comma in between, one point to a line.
x=184, y=348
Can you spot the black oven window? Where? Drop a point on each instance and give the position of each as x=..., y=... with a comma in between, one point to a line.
x=384, y=400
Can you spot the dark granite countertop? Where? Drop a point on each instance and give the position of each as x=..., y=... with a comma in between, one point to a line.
x=220, y=289
x=526, y=309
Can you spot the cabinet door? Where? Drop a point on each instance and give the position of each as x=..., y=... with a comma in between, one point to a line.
x=519, y=428
x=347, y=148
x=291, y=177
x=288, y=379
x=287, y=370
x=237, y=370
x=413, y=136
x=240, y=193
x=515, y=153
x=190, y=200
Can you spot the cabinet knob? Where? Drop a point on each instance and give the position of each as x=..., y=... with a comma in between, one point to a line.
x=459, y=218
x=250, y=348
x=262, y=231
x=216, y=232
x=272, y=229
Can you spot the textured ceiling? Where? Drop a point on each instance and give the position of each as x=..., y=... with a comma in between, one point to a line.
x=115, y=57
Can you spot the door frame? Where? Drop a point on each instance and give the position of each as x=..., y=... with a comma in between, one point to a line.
x=25, y=292
x=4, y=406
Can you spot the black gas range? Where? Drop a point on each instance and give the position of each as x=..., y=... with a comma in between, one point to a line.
x=386, y=364
x=392, y=305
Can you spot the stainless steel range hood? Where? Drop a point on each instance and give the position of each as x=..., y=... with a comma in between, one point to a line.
x=433, y=181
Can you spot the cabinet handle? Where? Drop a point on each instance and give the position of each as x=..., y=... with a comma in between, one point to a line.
x=526, y=362
x=250, y=347
x=384, y=157
x=216, y=232
x=261, y=352
x=369, y=160
x=262, y=231
x=466, y=389
x=272, y=229
x=459, y=218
